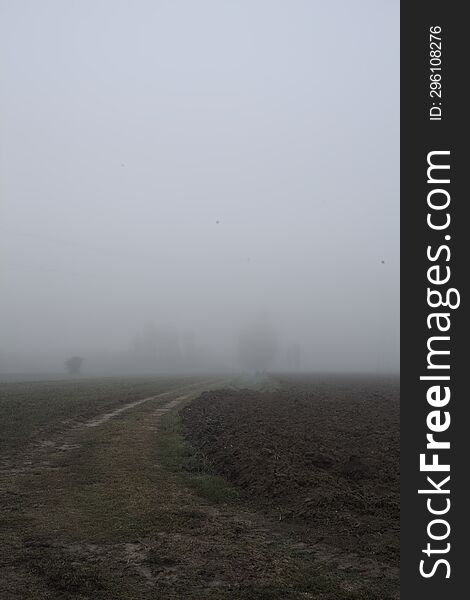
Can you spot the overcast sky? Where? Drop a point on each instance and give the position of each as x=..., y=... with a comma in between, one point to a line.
x=194, y=162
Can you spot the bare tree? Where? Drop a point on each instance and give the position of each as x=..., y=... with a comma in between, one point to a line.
x=293, y=357
x=74, y=365
x=257, y=346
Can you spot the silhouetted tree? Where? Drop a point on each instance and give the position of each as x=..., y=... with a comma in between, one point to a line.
x=157, y=349
x=189, y=354
x=149, y=342
x=257, y=346
x=169, y=353
x=293, y=357
x=74, y=364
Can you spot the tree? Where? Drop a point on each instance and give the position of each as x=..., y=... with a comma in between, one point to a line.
x=73, y=365
x=157, y=349
x=293, y=357
x=257, y=346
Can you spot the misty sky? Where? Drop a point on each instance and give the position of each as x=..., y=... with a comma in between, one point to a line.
x=197, y=162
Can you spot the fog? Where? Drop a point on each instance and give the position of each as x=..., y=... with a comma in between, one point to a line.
x=174, y=173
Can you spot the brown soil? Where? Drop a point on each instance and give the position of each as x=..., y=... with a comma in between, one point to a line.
x=125, y=510
x=321, y=457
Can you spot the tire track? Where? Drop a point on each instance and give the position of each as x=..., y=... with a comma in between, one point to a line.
x=44, y=454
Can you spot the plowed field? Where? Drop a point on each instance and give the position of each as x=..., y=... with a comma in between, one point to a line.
x=322, y=457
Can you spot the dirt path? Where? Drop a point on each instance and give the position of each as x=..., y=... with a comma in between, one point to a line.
x=43, y=454
x=97, y=421
x=47, y=489
x=97, y=512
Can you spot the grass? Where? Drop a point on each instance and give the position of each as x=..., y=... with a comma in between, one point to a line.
x=133, y=511
x=31, y=410
x=300, y=575
x=177, y=455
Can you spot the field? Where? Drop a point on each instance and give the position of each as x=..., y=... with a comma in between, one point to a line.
x=322, y=458
x=185, y=488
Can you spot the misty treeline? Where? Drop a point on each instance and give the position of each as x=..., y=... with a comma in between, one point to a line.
x=74, y=365
x=161, y=349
